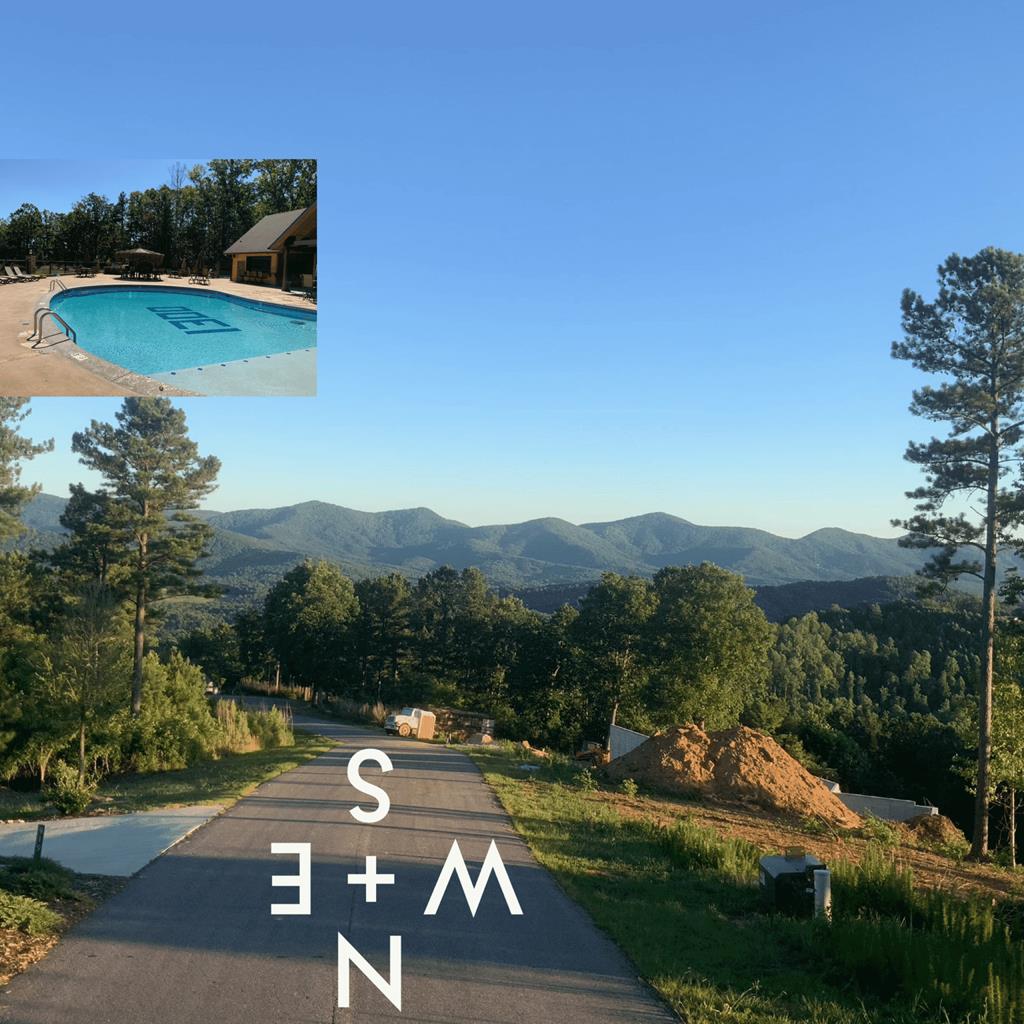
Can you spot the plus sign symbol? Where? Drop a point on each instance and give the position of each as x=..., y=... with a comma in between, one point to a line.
x=371, y=879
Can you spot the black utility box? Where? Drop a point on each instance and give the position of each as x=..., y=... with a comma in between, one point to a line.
x=787, y=882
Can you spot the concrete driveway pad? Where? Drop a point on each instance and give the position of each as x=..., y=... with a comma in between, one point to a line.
x=117, y=844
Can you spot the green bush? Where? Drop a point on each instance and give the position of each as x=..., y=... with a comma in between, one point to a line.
x=630, y=787
x=271, y=728
x=175, y=728
x=584, y=779
x=879, y=831
x=42, y=879
x=27, y=915
x=65, y=792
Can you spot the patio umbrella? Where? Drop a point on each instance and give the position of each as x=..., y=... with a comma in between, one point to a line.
x=140, y=255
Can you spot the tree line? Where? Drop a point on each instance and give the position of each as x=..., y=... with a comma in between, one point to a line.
x=192, y=217
x=882, y=700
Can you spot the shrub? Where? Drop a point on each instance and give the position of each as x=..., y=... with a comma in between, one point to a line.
x=42, y=879
x=816, y=826
x=585, y=780
x=27, y=915
x=65, y=792
x=629, y=787
x=879, y=831
x=271, y=728
x=175, y=728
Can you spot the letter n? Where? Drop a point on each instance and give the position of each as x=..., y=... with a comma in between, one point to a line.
x=456, y=864
x=390, y=989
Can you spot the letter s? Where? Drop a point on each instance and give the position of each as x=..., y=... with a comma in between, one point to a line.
x=358, y=782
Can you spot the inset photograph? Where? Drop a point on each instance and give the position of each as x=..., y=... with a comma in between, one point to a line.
x=158, y=277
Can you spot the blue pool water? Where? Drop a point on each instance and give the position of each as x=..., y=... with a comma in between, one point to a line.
x=153, y=330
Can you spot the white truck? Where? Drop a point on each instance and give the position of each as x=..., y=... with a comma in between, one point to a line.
x=411, y=722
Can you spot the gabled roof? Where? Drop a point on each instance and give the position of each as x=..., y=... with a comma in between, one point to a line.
x=268, y=233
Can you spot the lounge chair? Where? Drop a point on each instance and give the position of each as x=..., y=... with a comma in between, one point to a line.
x=18, y=273
x=6, y=278
x=199, y=277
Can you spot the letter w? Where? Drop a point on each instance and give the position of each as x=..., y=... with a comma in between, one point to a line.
x=456, y=864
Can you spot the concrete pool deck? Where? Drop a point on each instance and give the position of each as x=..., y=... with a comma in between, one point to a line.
x=284, y=373
x=115, y=844
x=59, y=367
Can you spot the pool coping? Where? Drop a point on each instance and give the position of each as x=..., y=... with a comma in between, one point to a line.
x=114, y=373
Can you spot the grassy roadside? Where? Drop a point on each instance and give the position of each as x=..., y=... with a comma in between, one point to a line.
x=220, y=781
x=683, y=904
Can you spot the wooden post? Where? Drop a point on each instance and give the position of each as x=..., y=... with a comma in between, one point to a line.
x=1013, y=827
x=38, y=853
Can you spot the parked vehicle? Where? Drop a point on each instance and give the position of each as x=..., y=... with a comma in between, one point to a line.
x=411, y=722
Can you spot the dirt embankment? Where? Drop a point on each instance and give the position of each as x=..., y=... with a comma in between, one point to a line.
x=737, y=764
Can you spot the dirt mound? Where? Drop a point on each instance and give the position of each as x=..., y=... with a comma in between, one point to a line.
x=936, y=830
x=736, y=764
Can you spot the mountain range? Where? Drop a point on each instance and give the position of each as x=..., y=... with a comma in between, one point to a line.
x=254, y=547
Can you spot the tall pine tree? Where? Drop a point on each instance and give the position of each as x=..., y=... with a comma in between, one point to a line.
x=972, y=338
x=152, y=475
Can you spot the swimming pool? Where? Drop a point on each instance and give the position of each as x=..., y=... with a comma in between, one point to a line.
x=158, y=329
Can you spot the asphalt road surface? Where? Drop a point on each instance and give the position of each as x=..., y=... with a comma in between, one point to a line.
x=191, y=939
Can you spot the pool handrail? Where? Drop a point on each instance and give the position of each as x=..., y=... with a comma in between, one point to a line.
x=57, y=281
x=40, y=316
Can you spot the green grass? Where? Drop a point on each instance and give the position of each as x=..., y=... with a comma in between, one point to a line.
x=683, y=903
x=42, y=879
x=220, y=781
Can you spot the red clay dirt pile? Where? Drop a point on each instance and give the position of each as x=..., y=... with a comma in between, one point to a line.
x=735, y=764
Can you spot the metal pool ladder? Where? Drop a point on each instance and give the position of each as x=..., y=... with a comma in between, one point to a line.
x=41, y=315
x=54, y=282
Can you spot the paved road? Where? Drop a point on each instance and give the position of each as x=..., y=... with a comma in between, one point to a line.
x=191, y=940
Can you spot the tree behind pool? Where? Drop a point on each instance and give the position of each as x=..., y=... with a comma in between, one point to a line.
x=152, y=475
x=972, y=336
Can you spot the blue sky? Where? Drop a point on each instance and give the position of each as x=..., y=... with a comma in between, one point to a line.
x=577, y=259
x=58, y=184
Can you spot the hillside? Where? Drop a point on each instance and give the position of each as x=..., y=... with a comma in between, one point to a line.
x=779, y=603
x=253, y=547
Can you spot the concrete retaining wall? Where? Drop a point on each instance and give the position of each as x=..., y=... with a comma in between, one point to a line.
x=622, y=741
x=885, y=807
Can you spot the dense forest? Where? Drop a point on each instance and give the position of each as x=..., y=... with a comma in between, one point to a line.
x=881, y=698
x=193, y=216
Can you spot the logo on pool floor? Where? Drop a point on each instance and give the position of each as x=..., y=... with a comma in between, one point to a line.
x=189, y=321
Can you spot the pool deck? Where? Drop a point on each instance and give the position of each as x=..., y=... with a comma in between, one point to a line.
x=58, y=367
